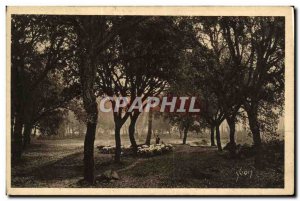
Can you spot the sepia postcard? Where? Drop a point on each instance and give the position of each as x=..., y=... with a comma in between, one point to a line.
x=150, y=101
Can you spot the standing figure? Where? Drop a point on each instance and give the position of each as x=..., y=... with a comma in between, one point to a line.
x=157, y=139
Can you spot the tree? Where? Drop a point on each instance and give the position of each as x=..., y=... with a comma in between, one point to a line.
x=185, y=121
x=94, y=35
x=49, y=125
x=264, y=79
x=256, y=49
x=39, y=49
x=228, y=90
x=50, y=99
x=199, y=77
x=149, y=133
x=138, y=65
x=221, y=78
x=155, y=59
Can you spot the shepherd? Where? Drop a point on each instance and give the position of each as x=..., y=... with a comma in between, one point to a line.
x=157, y=139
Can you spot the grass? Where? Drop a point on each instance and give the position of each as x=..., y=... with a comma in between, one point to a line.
x=60, y=164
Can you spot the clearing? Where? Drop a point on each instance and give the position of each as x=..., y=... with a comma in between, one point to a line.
x=59, y=163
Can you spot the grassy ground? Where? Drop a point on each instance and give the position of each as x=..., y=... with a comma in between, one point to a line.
x=59, y=163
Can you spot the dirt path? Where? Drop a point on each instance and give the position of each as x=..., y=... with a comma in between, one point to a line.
x=137, y=162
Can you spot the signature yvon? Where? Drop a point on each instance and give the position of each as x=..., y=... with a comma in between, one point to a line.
x=243, y=172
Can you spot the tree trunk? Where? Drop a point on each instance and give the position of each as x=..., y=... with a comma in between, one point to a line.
x=92, y=117
x=131, y=131
x=218, y=138
x=254, y=127
x=87, y=75
x=26, y=136
x=231, y=124
x=148, y=139
x=17, y=138
x=232, y=144
x=212, y=135
x=118, y=142
x=180, y=133
x=17, y=108
x=12, y=124
x=185, y=132
x=119, y=122
x=89, y=152
x=34, y=132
